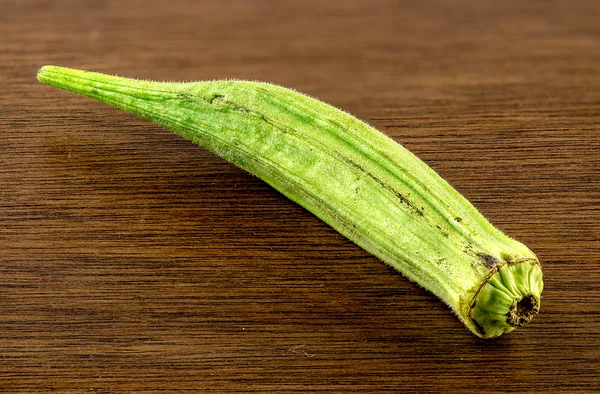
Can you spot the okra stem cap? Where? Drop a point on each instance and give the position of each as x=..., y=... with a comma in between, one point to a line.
x=509, y=298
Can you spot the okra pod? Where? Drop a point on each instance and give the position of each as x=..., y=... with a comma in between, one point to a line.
x=353, y=177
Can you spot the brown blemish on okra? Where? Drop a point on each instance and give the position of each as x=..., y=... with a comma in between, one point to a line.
x=443, y=232
x=412, y=206
x=400, y=196
x=488, y=260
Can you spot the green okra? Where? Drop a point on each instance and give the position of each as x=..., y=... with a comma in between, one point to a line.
x=353, y=177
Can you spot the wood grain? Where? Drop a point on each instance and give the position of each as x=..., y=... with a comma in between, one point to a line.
x=134, y=261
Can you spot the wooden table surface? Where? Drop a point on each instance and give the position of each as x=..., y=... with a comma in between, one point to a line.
x=133, y=260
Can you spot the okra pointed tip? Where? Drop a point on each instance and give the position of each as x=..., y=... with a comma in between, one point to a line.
x=43, y=72
x=48, y=73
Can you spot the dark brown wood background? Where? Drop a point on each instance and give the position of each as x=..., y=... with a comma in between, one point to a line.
x=132, y=260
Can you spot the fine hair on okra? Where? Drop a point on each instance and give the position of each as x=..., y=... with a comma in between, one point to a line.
x=353, y=177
